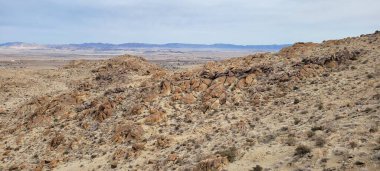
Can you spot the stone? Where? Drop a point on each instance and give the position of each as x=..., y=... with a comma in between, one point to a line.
x=195, y=83
x=165, y=88
x=137, y=109
x=129, y=131
x=230, y=81
x=151, y=97
x=172, y=157
x=188, y=98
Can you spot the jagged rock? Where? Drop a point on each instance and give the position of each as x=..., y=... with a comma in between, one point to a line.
x=103, y=111
x=126, y=132
x=151, y=97
x=188, y=98
x=165, y=88
x=137, y=109
x=155, y=116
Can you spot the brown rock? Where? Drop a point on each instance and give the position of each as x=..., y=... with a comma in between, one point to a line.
x=2, y=111
x=127, y=132
x=216, y=90
x=202, y=87
x=165, y=88
x=137, y=109
x=151, y=97
x=206, y=81
x=172, y=157
x=176, y=96
x=195, y=83
x=215, y=104
x=185, y=85
x=188, y=98
x=155, y=116
x=177, y=89
x=104, y=111
x=219, y=80
x=241, y=83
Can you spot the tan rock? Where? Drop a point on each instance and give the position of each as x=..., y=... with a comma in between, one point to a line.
x=195, y=83
x=230, y=81
x=137, y=109
x=332, y=64
x=206, y=81
x=150, y=97
x=185, y=85
x=188, y=98
x=241, y=83
x=219, y=80
x=215, y=104
x=155, y=116
x=172, y=157
x=2, y=111
x=202, y=87
x=126, y=132
x=250, y=79
x=217, y=90
x=177, y=89
x=176, y=96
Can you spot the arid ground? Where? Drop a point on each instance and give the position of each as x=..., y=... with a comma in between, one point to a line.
x=308, y=107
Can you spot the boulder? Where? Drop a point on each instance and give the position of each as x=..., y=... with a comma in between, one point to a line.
x=188, y=98
x=165, y=88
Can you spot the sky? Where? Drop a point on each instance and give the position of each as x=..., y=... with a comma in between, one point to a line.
x=243, y=22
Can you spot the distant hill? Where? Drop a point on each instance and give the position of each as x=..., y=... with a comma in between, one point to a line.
x=125, y=46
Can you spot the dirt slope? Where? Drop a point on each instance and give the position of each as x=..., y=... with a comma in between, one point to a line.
x=308, y=107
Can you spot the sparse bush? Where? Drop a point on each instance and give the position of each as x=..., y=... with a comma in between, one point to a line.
x=296, y=101
x=317, y=128
x=297, y=121
x=320, y=142
x=230, y=153
x=310, y=134
x=257, y=168
x=301, y=150
x=291, y=141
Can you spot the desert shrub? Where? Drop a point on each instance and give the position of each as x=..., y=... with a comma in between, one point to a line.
x=301, y=150
x=316, y=128
x=310, y=134
x=320, y=142
x=290, y=141
x=230, y=153
x=257, y=168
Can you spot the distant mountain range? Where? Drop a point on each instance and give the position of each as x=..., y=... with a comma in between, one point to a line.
x=126, y=46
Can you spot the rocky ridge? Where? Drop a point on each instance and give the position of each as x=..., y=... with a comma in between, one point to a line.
x=310, y=107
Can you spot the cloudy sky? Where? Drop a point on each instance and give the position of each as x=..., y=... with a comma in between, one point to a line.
x=185, y=21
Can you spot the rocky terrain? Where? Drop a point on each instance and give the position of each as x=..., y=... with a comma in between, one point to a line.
x=309, y=107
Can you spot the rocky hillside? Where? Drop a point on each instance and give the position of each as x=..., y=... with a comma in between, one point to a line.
x=309, y=107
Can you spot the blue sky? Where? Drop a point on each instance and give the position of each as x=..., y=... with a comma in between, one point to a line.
x=185, y=21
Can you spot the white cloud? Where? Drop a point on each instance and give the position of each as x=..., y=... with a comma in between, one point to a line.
x=193, y=21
